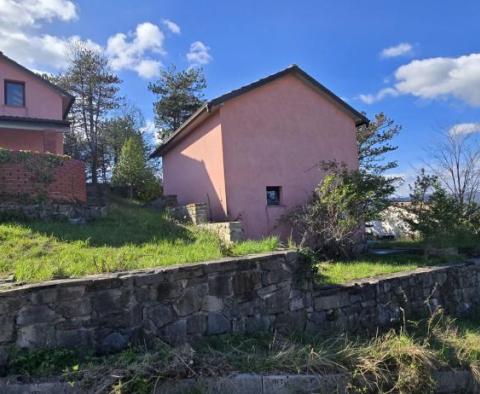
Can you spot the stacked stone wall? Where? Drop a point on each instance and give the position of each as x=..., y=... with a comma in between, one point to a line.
x=269, y=292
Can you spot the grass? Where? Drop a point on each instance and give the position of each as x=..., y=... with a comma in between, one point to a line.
x=409, y=257
x=371, y=265
x=398, y=361
x=131, y=237
x=400, y=243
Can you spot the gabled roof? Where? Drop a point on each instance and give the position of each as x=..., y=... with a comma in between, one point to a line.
x=204, y=111
x=68, y=98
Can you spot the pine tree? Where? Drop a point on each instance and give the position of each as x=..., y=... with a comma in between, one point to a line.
x=179, y=95
x=90, y=79
x=374, y=142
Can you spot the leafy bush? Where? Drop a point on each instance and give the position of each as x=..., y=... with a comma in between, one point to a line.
x=331, y=223
x=150, y=187
x=41, y=362
x=440, y=218
x=133, y=172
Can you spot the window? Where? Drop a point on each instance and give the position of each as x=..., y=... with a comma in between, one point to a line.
x=15, y=94
x=273, y=195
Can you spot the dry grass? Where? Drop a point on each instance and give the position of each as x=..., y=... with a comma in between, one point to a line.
x=400, y=361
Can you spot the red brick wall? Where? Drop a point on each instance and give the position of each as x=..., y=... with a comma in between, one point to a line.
x=67, y=185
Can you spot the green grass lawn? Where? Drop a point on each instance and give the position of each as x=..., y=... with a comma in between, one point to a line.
x=400, y=244
x=370, y=265
x=131, y=237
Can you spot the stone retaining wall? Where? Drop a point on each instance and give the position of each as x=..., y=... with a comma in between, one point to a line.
x=274, y=292
x=76, y=213
x=369, y=304
x=108, y=312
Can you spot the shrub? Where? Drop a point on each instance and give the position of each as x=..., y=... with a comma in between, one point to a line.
x=331, y=223
x=133, y=172
x=440, y=218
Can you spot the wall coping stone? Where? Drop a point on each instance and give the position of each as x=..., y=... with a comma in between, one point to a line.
x=272, y=291
x=9, y=288
x=228, y=262
x=375, y=280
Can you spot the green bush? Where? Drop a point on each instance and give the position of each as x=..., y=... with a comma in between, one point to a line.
x=442, y=220
x=133, y=172
x=331, y=223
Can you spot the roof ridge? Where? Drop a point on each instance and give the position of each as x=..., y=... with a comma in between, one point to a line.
x=358, y=117
x=251, y=84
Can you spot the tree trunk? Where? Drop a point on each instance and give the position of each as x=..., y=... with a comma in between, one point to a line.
x=94, y=168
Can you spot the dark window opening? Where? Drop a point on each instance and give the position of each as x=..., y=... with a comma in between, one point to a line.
x=273, y=195
x=15, y=94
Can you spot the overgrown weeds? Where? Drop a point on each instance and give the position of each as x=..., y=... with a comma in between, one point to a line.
x=401, y=361
x=394, y=363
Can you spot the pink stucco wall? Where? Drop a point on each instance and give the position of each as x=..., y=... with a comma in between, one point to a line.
x=193, y=170
x=277, y=135
x=38, y=141
x=41, y=101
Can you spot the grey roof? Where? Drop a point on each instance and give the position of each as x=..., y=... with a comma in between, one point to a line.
x=45, y=81
x=209, y=105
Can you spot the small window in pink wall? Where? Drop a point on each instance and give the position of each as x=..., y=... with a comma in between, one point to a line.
x=273, y=195
x=15, y=94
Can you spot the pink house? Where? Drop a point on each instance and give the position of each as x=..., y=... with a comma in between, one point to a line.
x=33, y=117
x=253, y=154
x=33, y=111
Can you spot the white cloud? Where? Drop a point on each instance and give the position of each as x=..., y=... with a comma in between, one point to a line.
x=18, y=38
x=149, y=127
x=29, y=12
x=199, y=54
x=437, y=78
x=137, y=51
x=442, y=77
x=380, y=95
x=148, y=68
x=172, y=26
x=464, y=128
x=150, y=132
x=401, y=49
x=127, y=51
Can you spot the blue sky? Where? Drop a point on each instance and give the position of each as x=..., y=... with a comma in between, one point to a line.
x=418, y=61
